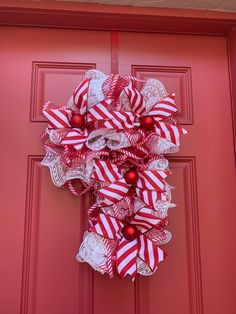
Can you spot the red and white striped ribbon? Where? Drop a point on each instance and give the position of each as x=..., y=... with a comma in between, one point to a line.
x=163, y=108
x=150, y=253
x=136, y=99
x=92, y=154
x=129, y=201
x=121, y=121
x=133, y=136
x=100, y=111
x=70, y=158
x=157, y=235
x=127, y=252
x=144, y=219
x=107, y=87
x=116, y=210
x=114, y=192
x=142, y=149
x=152, y=180
x=80, y=96
x=151, y=197
x=134, y=79
x=108, y=226
x=112, y=119
x=109, y=261
x=58, y=118
x=126, y=258
x=91, y=217
x=130, y=154
x=109, y=172
x=75, y=138
x=116, y=85
x=106, y=171
x=82, y=190
x=170, y=132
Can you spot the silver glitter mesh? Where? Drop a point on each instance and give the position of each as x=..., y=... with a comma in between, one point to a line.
x=94, y=252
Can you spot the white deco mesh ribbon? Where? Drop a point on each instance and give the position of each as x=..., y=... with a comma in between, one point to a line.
x=95, y=252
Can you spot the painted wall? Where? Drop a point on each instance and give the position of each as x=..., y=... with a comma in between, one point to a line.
x=221, y=5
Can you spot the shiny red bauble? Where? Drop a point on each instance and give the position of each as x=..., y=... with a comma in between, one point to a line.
x=131, y=176
x=77, y=121
x=147, y=122
x=130, y=232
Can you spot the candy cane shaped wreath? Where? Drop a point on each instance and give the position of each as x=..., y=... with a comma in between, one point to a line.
x=111, y=138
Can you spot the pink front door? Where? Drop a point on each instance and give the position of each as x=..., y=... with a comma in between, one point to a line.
x=42, y=226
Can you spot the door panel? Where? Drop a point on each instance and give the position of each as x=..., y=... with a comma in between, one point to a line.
x=43, y=226
x=203, y=172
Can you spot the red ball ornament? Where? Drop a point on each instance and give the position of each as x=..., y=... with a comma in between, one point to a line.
x=130, y=232
x=77, y=121
x=131, y=176
x=147, y=122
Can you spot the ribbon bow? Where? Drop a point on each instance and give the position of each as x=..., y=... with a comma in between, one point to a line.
x=61, y=118
x=133, y=241
x=149, y=187
x=160, y=111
